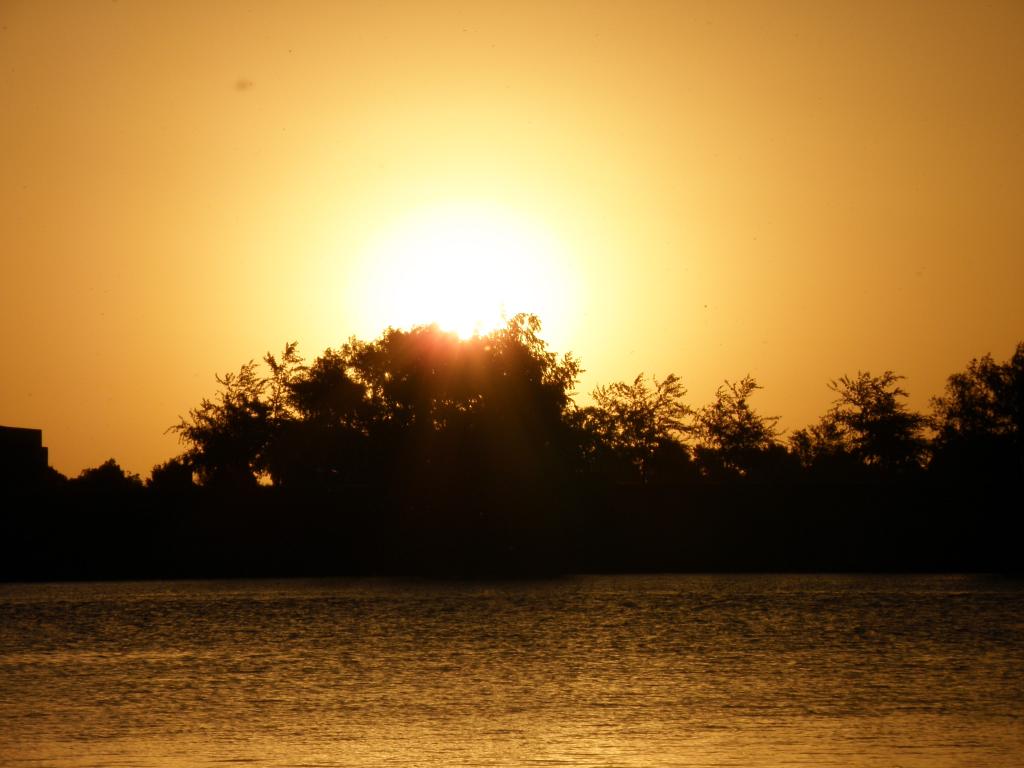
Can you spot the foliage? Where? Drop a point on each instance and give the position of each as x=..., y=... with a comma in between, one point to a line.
x=279, y=385
x=421, y=406
x=732, y=435
x=108, y=478
x=409, y=399
x=638, y=421
x=979, y=419
x=227, y=436
x=867, y=426
x=171, y=478
x=327, y=394
x=986, y=399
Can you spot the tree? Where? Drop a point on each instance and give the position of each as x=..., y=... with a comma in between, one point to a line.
x=108, y=479
x=171, y=478
x=492, y=405
x=227, y=437
x=558, y=376
x=326, y=393
x=321, y=438
x=867, y=427
x=823, y=448
x=979, y=419
x=366, y=411
x=278, y=388
x=734, y=438
x=425, y=376
x=639, y=421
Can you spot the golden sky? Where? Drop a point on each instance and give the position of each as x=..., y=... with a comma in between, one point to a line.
x=794, y=190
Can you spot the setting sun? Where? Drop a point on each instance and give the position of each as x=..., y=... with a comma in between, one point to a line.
x=465, y=267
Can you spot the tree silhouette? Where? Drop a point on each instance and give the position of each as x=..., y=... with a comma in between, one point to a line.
x=867, y=426
x=322, y=439
x=419, y=452
x=108, y=478
x=734, y=438
x=227, y=436
x=172, y=478
x=279, y=386
x=411, y=400
x=497, y=401
x=640, y=423
x=979, y=419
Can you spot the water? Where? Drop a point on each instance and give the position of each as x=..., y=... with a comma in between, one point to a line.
x=587, y=671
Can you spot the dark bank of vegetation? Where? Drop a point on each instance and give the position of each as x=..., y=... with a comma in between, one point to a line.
x=420, y=453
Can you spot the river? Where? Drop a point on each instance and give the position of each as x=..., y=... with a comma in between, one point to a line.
x=582, y=671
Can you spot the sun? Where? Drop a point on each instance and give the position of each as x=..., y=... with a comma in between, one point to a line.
x=466, y=267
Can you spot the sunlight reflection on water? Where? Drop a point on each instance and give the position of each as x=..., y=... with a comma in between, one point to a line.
x=587, y=671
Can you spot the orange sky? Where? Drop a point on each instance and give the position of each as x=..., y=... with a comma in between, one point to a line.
x=791, y=190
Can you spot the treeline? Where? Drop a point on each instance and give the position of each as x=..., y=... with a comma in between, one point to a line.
x=422, y=453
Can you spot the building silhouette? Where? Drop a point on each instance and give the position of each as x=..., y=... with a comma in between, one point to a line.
x=23, y=457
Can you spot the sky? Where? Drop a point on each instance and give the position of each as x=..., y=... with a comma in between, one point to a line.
x=790, y=190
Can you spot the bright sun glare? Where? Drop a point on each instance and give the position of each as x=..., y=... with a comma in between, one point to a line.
x=467, y=268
